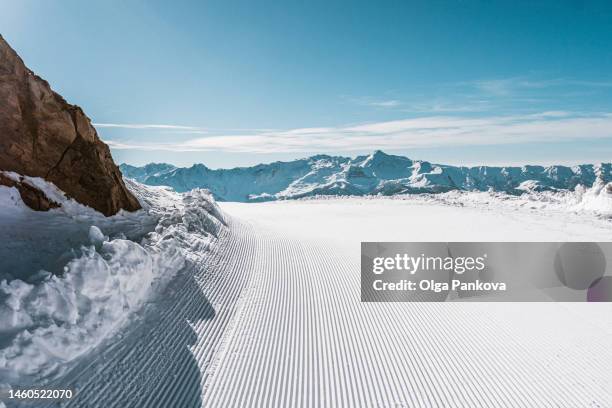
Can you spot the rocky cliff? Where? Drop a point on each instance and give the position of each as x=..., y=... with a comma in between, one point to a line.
x=41, y=135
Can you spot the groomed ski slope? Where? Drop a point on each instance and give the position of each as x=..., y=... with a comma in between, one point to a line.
x=272, y=318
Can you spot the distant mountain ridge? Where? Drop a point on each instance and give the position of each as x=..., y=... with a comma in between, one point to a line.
x=377, y=173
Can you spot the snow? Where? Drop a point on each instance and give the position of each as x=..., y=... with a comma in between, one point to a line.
x=108, y=268
x=301, y=336
x=453, y=216
x=598, y=199
x=268, y=313
x=96, y=237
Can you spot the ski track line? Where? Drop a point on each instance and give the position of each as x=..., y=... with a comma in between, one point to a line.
x=304, y=339
x=271, y=319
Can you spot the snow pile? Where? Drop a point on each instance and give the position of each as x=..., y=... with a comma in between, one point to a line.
x=47, y=320
x=597, y=199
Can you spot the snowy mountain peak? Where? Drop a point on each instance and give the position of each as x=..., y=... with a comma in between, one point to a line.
x=379, y=155
x=377, y=173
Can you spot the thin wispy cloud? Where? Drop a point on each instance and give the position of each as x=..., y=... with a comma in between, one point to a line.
x=496, y=87
x=145, y=126
x=422, y=132
x=385, y=104
x=178, y=129
x=374, y=102
x=445, y=107
x=510, y=86
x=494, y=94
x=484, y=112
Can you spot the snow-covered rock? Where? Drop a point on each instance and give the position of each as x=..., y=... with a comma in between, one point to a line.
x=45, y=136
x=377, y=173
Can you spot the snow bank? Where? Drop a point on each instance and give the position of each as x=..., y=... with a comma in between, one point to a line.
x=592, y=201
x=598, y=199
x=47, y=320
x=595, y=200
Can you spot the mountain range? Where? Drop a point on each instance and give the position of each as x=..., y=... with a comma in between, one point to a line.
x=377, y=173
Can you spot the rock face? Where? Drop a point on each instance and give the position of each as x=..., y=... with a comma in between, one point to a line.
x=41, y=135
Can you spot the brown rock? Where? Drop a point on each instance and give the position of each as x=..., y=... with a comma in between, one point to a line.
x=41, y=135
x=31, y=196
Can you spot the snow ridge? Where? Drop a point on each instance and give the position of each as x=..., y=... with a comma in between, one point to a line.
x=109, y=268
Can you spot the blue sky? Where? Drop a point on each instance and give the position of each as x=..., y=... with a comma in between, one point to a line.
x=232, y=83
